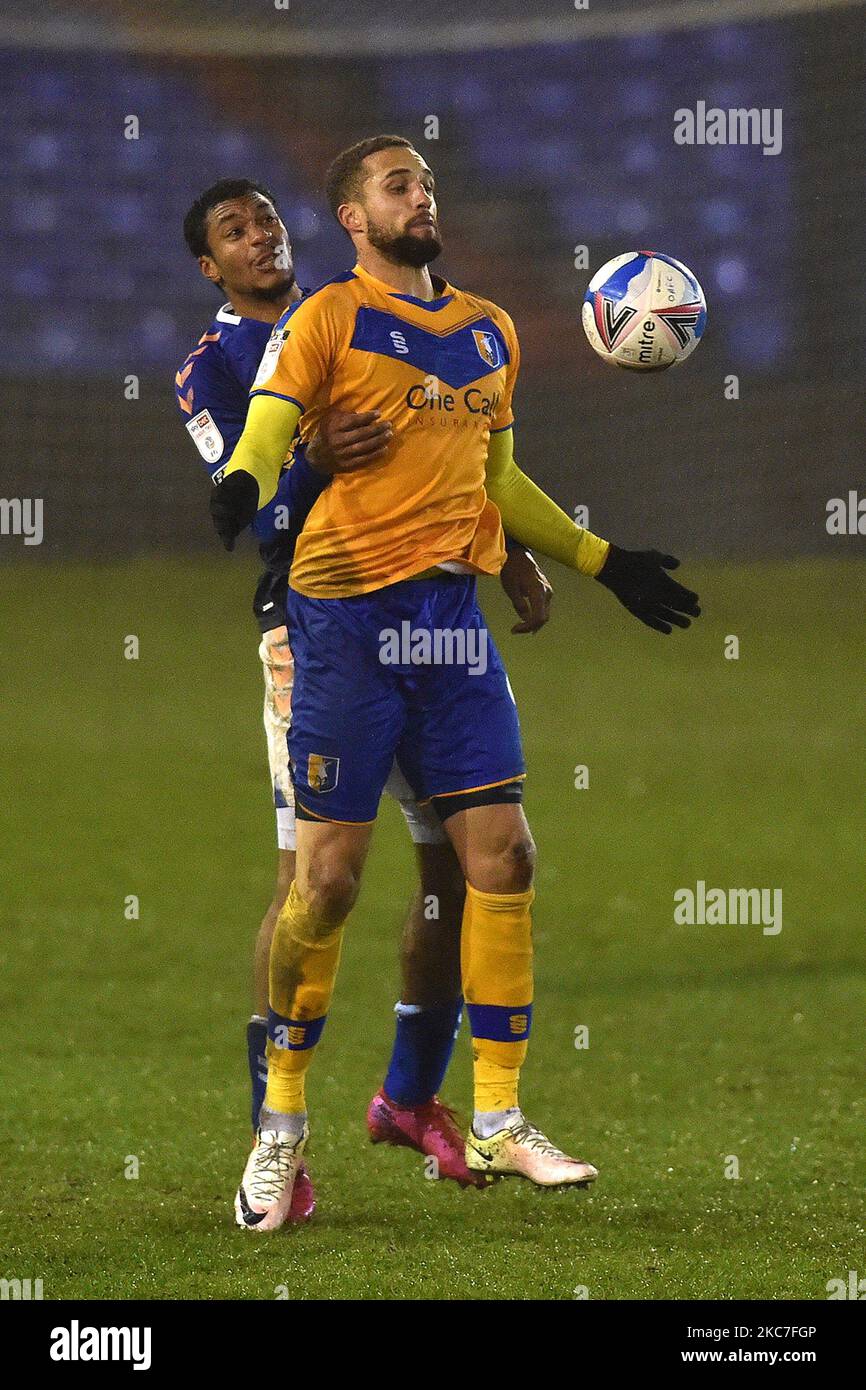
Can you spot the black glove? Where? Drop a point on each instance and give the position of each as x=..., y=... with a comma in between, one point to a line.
x=638, y=579
x=233, y=506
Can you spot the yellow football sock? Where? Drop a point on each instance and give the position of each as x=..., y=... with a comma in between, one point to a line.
x=305, y=956
x=496, y=960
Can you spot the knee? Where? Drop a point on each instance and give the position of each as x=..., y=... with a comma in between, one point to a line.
x=520, y=862
x=331, y=891
x=512, y=866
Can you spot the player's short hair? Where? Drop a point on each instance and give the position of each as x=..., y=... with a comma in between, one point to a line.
x=195, y=222
x=343, y=180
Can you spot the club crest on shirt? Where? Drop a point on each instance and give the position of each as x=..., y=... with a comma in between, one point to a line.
x=488, y=347
x=322, y=773
x=208, y=439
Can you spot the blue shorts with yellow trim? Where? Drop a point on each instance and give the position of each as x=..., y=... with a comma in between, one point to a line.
x=409, y=671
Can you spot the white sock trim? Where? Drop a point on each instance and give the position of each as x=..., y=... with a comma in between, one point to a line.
x=285, y=1124
x=407, y=1010
x=486, y=1123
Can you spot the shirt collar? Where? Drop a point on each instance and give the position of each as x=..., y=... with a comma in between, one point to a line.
x=444, y=292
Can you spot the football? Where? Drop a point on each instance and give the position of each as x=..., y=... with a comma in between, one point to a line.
x=644, y=310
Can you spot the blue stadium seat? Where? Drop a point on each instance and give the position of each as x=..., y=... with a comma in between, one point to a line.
x=137, y=298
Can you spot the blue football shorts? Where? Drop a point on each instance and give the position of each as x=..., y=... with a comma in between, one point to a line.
x=411, y=672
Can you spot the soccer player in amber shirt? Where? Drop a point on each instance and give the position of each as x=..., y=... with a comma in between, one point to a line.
x=391, y=652
x=242, y=248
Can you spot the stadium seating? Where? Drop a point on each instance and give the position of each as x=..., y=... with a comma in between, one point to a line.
x=529, y=169
x=99, y=273
x=591, y=147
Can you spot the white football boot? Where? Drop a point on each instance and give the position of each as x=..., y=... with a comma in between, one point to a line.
x=523, y=1151
x=264, y=1198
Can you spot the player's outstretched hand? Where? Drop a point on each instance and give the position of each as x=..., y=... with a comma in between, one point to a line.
x=528, y=588
x=233, y=506
x=346, y=441
x=640, y=581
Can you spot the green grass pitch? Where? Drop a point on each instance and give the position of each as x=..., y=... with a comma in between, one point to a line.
x=126, y=1038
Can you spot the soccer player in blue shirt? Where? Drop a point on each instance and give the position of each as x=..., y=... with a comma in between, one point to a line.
x=242, y=247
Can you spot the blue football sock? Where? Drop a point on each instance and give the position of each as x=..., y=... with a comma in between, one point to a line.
x=257, y=1037
x=422, y=1050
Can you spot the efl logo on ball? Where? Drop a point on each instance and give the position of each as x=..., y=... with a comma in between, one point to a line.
x=644, y=310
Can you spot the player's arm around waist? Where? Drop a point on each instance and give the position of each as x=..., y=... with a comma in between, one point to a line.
x=532, y=518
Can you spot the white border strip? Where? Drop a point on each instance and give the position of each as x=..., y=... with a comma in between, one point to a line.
x=244, y=40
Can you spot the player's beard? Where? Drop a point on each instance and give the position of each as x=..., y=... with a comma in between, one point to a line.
x=405, y=249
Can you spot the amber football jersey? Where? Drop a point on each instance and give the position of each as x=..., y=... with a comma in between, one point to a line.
x=443, y=372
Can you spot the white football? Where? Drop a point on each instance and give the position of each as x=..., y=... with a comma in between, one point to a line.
x=644, y=310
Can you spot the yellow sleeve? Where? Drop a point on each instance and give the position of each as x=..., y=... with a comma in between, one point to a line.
x=264, y=444
x=530, y=516
x=504, y=413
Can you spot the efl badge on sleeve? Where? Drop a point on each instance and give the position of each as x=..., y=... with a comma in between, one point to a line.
x=322, y=773
x=208, y=439
x=270, y=356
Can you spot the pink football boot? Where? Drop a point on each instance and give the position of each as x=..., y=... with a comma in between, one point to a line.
x=430, y=1129
x=303, y=1197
